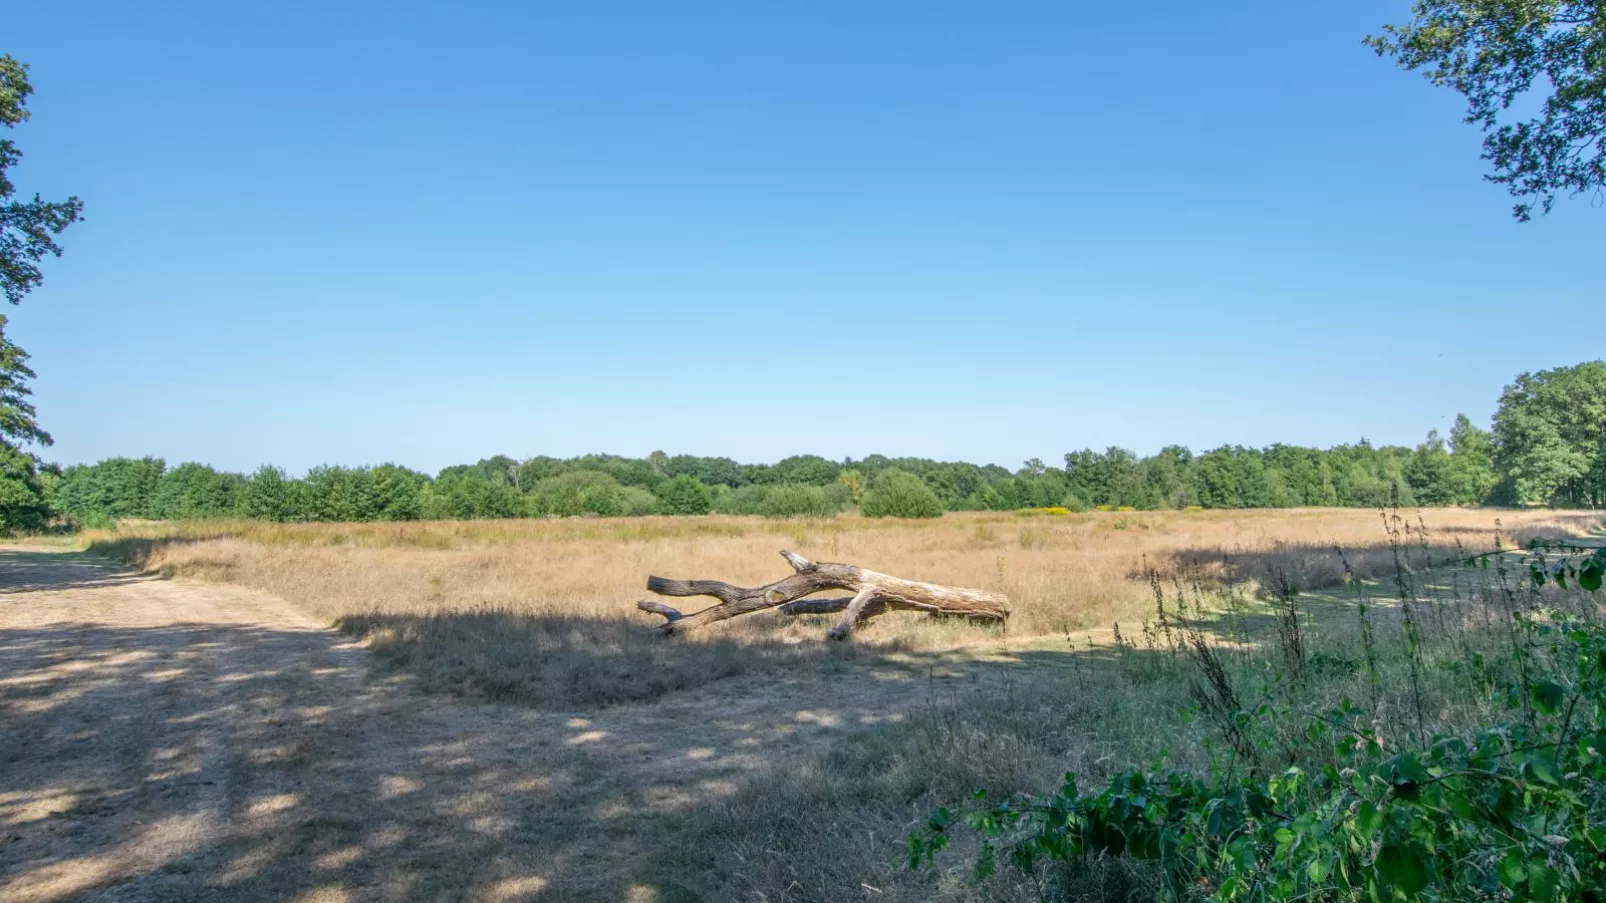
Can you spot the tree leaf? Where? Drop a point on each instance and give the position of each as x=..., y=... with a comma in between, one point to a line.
x=1543, y=769
x=1547, y=696
x=1368, y=819
x=1589, y=576
x=1511, y=871
x=1402, y=869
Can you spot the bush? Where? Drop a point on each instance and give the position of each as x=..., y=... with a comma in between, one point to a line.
x=899, y=494
x=637, y=502
x=798, y=500
x=685, y=495
x=742, y=500
x=22, y=492
x=466, y=496
x=580, y=492
x=341, y=495
x=397, y=492
x=191, y=491
x=266, y=495
x=112, y=489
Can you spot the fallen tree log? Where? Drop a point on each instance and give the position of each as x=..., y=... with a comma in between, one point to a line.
x=873, y=593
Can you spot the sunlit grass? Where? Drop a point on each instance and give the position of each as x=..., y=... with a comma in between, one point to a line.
x=521, y=608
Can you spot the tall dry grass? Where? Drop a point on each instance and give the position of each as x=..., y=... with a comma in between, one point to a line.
x=543, y=611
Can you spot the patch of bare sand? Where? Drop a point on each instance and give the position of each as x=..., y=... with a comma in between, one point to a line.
x=177, y=741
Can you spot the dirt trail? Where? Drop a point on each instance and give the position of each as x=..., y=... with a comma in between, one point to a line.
x=164, y=740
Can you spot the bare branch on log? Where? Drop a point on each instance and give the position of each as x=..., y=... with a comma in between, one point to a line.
x=850, y=615
x=659, y=608
x=873, y=593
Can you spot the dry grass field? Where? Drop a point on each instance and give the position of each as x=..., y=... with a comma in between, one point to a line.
x=542, y=611
x=499, y=723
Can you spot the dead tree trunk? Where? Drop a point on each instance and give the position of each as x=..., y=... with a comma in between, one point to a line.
x=873, y=593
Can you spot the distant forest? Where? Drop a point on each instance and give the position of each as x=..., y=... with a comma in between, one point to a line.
x=1548, y=446
x=1460, y=471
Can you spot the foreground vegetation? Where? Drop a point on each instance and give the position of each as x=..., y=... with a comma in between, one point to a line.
x=1303, y=802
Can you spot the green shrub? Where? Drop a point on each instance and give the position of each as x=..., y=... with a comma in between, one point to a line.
x=466, y=496
x=341, y=495
x=191, y=491
x=685, y=495
x=637, y=502
x=398, y=493
x=1339, y=805
x=898, y=494
x=111, y=489
x=741, y=500
x=265, y=495
x=23, y=505
x=798, y=500
x=580, y=492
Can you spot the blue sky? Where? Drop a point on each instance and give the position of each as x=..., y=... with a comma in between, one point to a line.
x=428, y=233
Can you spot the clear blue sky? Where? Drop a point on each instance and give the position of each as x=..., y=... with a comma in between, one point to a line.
x=428, y=233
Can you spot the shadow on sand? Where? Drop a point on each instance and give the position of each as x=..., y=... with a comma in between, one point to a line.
x=233, y=761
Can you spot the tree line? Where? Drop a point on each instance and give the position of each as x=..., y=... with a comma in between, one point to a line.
x=1434, y=473
x=1547, y=446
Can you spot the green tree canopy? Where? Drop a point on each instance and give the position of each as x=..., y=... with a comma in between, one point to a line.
x=469, y=496
x=898, y=494
x=19, y=424
x=1506, y=54
x=22, y=495
x=1472, y=473
x=28, y=230
x=1550, y=435
x=195, y=491
x=266, y=496
x=23, y=504
x=110, y=489
x=685, y=495
x=398, y=492
x=579, y=492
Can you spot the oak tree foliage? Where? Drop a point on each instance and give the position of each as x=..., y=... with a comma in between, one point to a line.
x=1533, y=73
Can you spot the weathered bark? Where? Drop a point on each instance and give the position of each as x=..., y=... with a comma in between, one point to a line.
x=873, y=593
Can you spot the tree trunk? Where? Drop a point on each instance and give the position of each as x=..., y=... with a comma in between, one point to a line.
x=873, y=593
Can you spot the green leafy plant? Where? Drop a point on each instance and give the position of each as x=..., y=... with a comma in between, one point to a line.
x=1513, y=811
x=898, y=494
x=800, y=500
x=685, y=495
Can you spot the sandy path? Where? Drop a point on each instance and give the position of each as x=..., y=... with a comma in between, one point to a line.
x=164, y=740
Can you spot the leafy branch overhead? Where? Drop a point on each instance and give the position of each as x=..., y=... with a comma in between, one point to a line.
x=28, y=228
x=1510, y=56
x=28, y=231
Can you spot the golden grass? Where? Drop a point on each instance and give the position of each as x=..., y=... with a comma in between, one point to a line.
x=544, y=610
x=541, y=612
